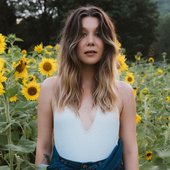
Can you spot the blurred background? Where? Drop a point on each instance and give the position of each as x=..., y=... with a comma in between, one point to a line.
x=141, y=25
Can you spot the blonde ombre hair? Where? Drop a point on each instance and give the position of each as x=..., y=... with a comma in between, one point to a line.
x=69, y=89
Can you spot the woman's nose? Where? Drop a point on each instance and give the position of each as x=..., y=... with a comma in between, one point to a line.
x=90, y=40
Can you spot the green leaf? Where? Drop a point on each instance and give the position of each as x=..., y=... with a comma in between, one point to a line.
x=23, y=106
x=24, y=146
x=11, y=91
x=4, y=168
x=3, y=140
x=4, y=126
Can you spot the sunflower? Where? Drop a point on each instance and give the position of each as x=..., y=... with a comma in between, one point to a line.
x=151, y=60
x=20, y=68
x=129, y=78
x=24, y=52
x=48, y=49
x=2, y=63
x=122, y=66
x=57, y=48
x=48, y=66
x=2, y=44
x=145, y=91
x=167, y=99
x=1, y=89
x=31, y=91
x=2, y=78
x=148, y=155
x=13, y=98
x=159, y=71
x=38, y=48
x=134, y=91
x=137, y=57
x=138, y=118
x=28, y=79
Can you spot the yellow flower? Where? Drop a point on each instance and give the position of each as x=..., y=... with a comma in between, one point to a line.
x=31, y=91
x=24, y=52
x=159, y=71
x=137, y=57
x=151, y=60
x=122, y=66
x=48, y=49
x=13, y=98
x=28, y=79
x=57, y=47
x=1, y=89
x=138, y=118
x=2, y=78
x=129, y=78
x=167, y=99
x=38, y=48
x=134, y=90
x=2, y=44
x=148, y=155
x=48, y=66
x=2, y=63
x=48, y=52
x=20, y=68
x=145, y=91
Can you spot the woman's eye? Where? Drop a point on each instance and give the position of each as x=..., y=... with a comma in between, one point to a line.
x=98, y=34
x=84, y=34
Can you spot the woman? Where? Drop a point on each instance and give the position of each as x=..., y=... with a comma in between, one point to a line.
x=88, y=110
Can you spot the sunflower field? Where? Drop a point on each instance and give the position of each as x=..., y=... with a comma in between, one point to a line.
x=21, y=73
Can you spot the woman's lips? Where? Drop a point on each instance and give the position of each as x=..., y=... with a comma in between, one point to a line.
x=90, y=52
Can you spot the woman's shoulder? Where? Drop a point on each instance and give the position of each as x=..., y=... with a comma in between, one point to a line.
x=50, y=81
x=125, y=94
x=48, y=86
x=124, y=88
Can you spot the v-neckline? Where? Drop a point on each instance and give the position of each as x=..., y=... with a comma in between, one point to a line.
x=92, y=123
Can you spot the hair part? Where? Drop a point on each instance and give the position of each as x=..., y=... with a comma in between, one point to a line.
x=69, y=90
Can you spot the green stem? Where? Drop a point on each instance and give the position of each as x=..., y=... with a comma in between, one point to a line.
x=145, y=108
x=9, y=137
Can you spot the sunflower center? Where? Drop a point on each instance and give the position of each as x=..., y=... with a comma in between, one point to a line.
x=129, y=79
x=149, y=154
x=32, y=91
x=21, y=66
x=47, y=66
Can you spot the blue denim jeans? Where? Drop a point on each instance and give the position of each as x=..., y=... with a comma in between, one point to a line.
x=113, y=162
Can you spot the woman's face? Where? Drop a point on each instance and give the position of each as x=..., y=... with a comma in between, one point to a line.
x=90, y=47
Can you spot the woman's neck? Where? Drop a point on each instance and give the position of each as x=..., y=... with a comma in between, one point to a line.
x=87, y=76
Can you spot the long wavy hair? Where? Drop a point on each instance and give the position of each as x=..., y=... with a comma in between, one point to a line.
x=69, y=90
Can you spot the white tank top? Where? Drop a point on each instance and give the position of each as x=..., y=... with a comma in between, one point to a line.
x=74, y=142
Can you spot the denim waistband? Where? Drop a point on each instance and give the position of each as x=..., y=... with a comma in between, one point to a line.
x=79, y=165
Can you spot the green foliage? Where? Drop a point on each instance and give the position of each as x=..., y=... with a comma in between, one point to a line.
x=163, y=43
x=18, y=130
x=153, y=132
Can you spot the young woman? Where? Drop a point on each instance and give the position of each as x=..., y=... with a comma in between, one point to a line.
x=86, y=113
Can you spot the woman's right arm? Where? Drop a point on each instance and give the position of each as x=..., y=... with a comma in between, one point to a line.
x=45, y=122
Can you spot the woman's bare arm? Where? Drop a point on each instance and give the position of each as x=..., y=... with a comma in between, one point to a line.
x=45, y=122
x=128, y=127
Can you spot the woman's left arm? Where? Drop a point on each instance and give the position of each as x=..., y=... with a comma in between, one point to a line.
x=128, y=127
